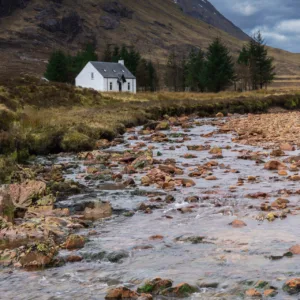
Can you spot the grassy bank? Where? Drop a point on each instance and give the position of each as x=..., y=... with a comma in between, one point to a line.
x=37, y=117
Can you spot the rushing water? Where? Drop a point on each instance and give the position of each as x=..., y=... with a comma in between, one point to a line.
x=230, y=257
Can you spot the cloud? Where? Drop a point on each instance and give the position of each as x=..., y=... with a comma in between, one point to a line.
x=245, y=9
x=278, y=20
x=292, y=26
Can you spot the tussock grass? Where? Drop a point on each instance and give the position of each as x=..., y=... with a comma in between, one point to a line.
x=49, y=117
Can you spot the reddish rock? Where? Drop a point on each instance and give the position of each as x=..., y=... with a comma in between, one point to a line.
x=253, y=293
x=182, y=290
x=211, y=178
x=287, y=147
x=99, y=211
x=121, y=293
x=282, y=173
x=238, y=224
x=292, y=286
x=295, y=249
x=155, y=285
x=295, y=178
x=275, y=165
x=74, y=241
x=270, y=293
x=74, y=258
x=22, y=194
x=280, y=203
x=156, y=237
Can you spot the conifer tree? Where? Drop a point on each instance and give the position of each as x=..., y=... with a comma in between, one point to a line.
x=254, y=58
x=174, y=72
x=57, y=68
x=195, y=67
x=219, y=67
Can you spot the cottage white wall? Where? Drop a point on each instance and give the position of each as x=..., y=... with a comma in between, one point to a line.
x=84, y=79
x=115, y=85
x=99, y=83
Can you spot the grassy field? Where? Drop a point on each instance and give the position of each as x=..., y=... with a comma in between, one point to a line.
x=37, y=117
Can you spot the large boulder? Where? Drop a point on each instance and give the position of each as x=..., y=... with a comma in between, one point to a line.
x=22, y=195
x=99, y=210
x=39, y=255
x=292, y=286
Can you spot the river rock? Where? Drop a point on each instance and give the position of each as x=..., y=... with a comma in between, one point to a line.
x=74, y=241
x=275, y=165
x=23, y=194
x=74, y=258
x=238, y=224
x=295, y=250
x=287, y=147
x=295, y=178
x=121, y=293
x=39, y=255
x=280, y=203
x=163, y=126
x=99, y=211
x=253, y=293
x=154, y=286
x=181, y=290
x=292, y=286
x=270, y=293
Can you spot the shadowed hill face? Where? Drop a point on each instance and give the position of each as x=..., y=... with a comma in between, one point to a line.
x=8, y=6
x=30, y=32
x=205, y=11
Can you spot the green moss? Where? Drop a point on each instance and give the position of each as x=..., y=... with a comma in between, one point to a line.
x=261, y=284
x=74, y=141
x=147, y=288
x=187, y=289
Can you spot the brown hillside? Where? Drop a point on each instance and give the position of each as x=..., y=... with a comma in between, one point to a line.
x=29, y=34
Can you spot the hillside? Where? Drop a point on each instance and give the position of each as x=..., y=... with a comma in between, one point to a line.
x=30, y=30
x=206, y=12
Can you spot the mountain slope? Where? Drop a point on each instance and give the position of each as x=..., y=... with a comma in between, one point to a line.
x=206, y=12
x=29, y=33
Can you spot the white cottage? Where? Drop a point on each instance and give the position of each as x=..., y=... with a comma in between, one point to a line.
x=106, y=77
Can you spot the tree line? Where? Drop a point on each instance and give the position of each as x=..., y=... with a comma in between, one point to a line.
x=198, y=71
x=216, y=70
x=64, y=67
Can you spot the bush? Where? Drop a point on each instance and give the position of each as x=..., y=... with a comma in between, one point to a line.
x=74, y=141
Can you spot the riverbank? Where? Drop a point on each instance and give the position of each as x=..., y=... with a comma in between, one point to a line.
x=38, y=117
x=184, y=199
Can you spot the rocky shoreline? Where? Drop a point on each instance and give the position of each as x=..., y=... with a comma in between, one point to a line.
x=36, y=227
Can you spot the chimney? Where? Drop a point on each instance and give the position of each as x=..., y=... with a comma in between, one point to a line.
x=122, y=62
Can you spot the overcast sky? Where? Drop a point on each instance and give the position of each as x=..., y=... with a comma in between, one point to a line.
x=278, y=20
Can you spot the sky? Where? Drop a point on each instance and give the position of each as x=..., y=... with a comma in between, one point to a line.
x=278, y=20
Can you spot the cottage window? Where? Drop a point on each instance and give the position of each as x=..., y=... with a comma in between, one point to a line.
x=128, y=86
x=110, y=86
x=92, y=76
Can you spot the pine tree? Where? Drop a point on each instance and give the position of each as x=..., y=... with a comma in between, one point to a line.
x=219, y=68
x=116, y=54
x=57, y=68
x=142, y=75
x=153, y=78
x=264, y=65
x=107, y=56
x=254, y=58
x=174, y=72
x=195, y=77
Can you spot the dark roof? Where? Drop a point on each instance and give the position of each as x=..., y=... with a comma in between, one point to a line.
x=112, y=70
